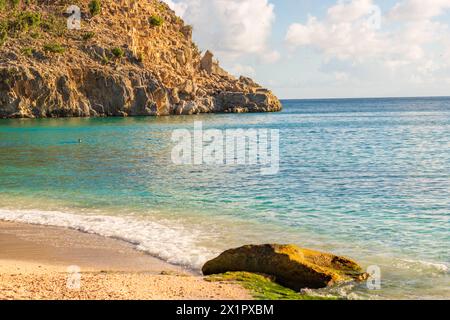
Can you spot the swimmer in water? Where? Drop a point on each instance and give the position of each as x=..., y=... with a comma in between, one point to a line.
x=80, y=141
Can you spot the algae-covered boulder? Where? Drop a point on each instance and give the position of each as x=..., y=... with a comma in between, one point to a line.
x=292, y=267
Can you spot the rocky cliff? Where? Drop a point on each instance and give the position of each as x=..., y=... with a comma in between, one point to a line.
x=129, y=58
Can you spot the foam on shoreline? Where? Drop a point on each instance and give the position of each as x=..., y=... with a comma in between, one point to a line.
x=191, y=245
x=173, y=243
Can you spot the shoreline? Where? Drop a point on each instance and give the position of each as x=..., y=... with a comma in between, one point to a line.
x=36, y=262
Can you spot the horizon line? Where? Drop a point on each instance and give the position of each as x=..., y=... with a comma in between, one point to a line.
x=367, y=98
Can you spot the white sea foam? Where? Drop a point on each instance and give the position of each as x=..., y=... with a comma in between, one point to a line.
x=167, y=240
x=421, y=265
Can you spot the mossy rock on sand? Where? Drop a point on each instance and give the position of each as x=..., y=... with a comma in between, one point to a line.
x=262, y=287
x=293, y=267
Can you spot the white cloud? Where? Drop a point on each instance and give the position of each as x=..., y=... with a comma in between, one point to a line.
x=418, y=9
x=345, y=34
x=271, y=56
x=179, y=8
x=446, y=54
x=350, y=11
x=240, y=69
x=341, y=76
x=345, y=39
x=230, y=28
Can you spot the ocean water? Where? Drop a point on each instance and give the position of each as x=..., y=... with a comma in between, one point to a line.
x=365, y=178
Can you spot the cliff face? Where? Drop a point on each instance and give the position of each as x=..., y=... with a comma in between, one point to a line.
x=133, y=58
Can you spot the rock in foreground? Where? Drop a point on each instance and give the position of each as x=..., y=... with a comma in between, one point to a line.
x=293, y=267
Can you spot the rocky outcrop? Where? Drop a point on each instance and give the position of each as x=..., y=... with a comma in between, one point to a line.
x=211, y=66
x=117, y=65
x=292, y=267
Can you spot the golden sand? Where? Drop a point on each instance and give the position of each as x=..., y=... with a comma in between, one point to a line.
x=39, y=262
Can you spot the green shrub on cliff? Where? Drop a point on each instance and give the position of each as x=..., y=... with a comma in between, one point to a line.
x=156, y=21
x=30, y=19
x=35, y=35
x=14, y=3
x=95, y=7
x=54, y=48
x=3, y=32
x=24, y=21
x=10, y=3
x=105, y=59
x=118, y=52
x=140, y=57
x=55, y=25
x=3, y=36
x=88, y=35
x=28, y=51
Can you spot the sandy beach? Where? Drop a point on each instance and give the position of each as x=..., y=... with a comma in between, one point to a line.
x=40, y=262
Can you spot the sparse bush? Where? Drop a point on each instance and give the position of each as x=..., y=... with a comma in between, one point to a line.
x=14, y=3
x=30, y=19
x=88, y=35
x=55, y=25
x=140, y=57
x=3, y=32
x=27, y=51
x=3, y=36
x=156, y=21
x=54, y=48
x=95, y=7
x=118, y=52
x=35, y=35
x=24, y=21
x=161, y=7
x=105, y=59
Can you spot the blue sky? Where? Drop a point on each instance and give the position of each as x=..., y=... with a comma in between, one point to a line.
x=329, y=48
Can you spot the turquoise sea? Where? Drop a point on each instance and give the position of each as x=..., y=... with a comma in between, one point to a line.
x=365, y=178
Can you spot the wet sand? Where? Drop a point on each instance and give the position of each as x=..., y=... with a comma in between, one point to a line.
x=40, y=262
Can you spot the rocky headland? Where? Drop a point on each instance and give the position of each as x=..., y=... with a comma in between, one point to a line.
x=130, y=58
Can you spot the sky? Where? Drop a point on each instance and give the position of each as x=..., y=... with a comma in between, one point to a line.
x=328, y=48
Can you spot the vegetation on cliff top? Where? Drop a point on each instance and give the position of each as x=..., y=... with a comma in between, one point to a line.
x=54, y=48
x=118, y=52
x=140, y=48
x=22, y=21
x=156, y=21
x=95, y=7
